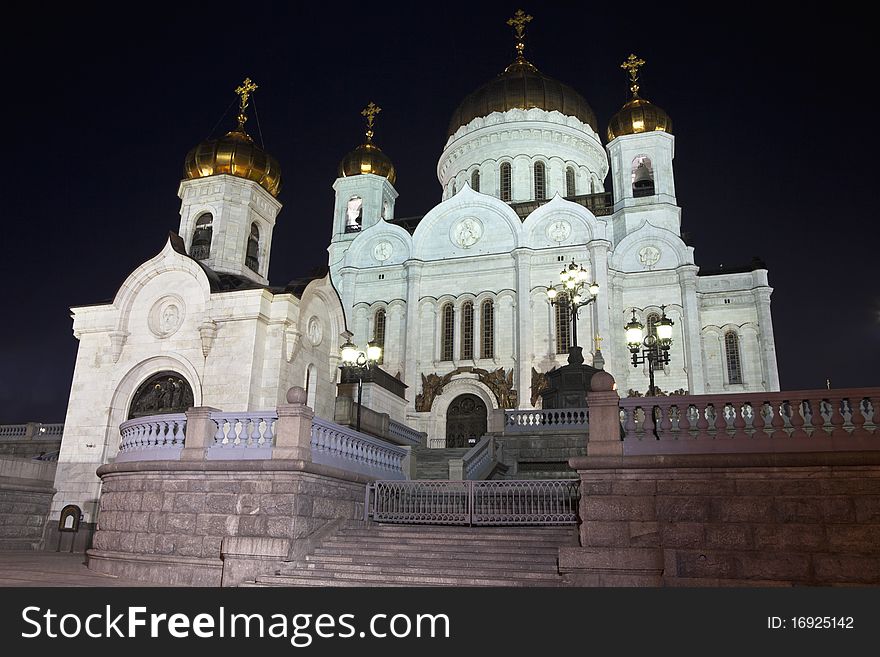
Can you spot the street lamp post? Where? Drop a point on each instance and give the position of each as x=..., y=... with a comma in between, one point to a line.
x=652, y=349
x=573, y=293
x=358, y=363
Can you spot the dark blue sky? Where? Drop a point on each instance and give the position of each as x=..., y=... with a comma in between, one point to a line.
x=775, y=142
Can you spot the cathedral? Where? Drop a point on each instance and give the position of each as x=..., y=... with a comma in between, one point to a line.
x=531, y=185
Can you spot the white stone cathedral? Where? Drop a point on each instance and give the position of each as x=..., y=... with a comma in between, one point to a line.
x=457, y=297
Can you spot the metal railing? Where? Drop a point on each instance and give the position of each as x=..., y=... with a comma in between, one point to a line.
x=152, y=437
x=551, y=419
x=506, y=502
x=343, y=447
x=780, y=421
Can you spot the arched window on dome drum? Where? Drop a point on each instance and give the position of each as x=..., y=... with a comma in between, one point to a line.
x=505, y=181
x=379, y=331
x=731, y=349
x=252, y=257
x=200, y=249
x=467, y=331
x=475, y=181
x=540, y=182
x=642, y=176
x=487, y=329
x=563, y=329
x=569, y=182
x=447, y=331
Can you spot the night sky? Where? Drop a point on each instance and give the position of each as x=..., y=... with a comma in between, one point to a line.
x=775, y=144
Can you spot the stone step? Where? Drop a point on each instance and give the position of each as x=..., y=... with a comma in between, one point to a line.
x=473, y=545
x=521, y=562
x=327, y=578
x=438, y=556
x=464, y=533
x=414, y=570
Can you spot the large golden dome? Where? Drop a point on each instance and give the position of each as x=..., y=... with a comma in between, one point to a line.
x=367, y=158
x=234, y=154
x=522, y=86
x=637, y=115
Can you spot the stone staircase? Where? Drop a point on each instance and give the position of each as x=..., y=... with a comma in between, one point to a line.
x=429, y=555
x=434, y=463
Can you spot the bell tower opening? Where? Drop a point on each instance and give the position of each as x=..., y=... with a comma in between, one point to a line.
x=642, y=176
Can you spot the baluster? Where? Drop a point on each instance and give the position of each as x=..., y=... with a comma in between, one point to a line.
x=629, y=423
x=816, y=419
x=778, y=422
x=739, y=423
x=875, y=418
x=797, y=420
x=255, y=437
x=703, y=422
x=758, y=422
x=648, y=423
x=837, y=418
x=180, y=438
x=857, y=418
x=684, y=423
x=665, y=427
x=269, y=436
x=720, y=422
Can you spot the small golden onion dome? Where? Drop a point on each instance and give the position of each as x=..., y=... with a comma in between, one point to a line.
x=367, y=158
x=234, y=154
x=522, y=86
x=638, y=115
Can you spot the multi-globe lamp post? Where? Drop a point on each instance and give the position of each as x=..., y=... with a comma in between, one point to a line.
x=652, y=348
x=358, y=363
x=574, y=292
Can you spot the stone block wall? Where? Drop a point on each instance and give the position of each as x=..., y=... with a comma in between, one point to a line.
x=745, y=519
x=25, y=495
x=534, y=456
x=166, y=521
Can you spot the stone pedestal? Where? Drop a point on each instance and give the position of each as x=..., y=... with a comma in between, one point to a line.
x=200, y=431
x=293, y=430
x=604, y=438
x=567, y=386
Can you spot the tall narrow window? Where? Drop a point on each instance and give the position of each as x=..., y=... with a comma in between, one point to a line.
x=201, y=242
x=467, y=331
x=354, y=210
x=734, y=367
x=563, y=329
x=487, y=329
x=311, y=385
x=475, y=180
x=454, y=190
x=505, y=181
x=447, y=331
x=540, y=182
x=252, y=257
x=379, y=331
x=569, y=182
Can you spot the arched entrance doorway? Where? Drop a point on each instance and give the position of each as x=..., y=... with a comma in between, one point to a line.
x=165, y=392
x=466, y=421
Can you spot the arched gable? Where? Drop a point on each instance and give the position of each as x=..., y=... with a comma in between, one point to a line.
x=365, y=249
x=649, y=248
x=577, y=224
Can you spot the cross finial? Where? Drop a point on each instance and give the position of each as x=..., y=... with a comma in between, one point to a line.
x=244, y=91
x=598, y=341
x=632, y=66
x=518, y=23
x=370, y=112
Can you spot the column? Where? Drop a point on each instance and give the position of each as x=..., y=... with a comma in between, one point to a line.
x=409, y=341
x=687, y=278
x=523, y=343
x=603, y=303
x=766, y=339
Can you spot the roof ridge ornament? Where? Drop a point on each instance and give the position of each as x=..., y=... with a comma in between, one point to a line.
x=632, y=64
x=518, y=22
x=370, y=112
x=244, y=91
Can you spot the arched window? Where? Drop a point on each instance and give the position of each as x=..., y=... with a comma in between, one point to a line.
x=447, y=332
x=540, y=182
x=487, y=329
x=475, y=180
x=467, y=331
x=311, y=385
x=642, y=176
x=569, y=182
x=731, y=348
x=379, y=331
x=592, y=185
x=252, y=258
x=354, y=214
x=201, y=241
x=505, y=181
x=563, y=329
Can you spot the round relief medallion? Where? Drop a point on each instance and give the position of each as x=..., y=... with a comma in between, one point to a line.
x=559, y=230
x=382, y=251
x=649, y=255
x=467, y=232
x=315, y=330
x=166, y=316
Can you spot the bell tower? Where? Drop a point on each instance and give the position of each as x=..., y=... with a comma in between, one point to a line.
x=228, y=200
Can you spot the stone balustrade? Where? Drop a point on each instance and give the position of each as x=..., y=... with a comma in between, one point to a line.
x=152, y=438
x=478, y=462
x=343, y=447
x=556, y=420
x=810, y=420
x=405, y=434
x=243, y=435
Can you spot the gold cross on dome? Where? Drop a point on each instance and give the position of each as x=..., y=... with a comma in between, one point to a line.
x=518, y=23
x=598, y=342
x=632, y=66
x=370, y=112
x=244, y=91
